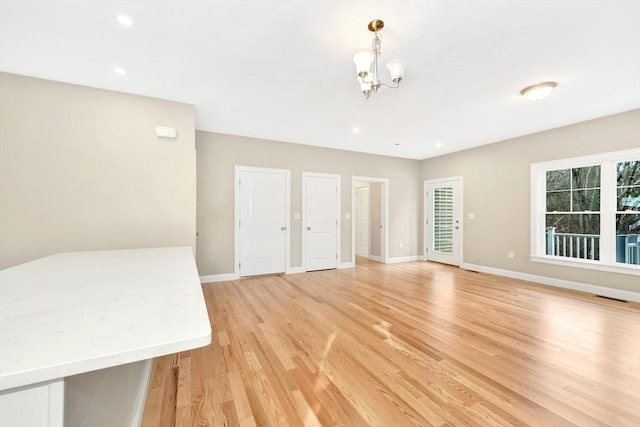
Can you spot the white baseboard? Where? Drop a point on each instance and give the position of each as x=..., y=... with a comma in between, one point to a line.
x=348, y=264
x=403, y=259
x=218, y=278
x=375, y=258
x=559, y=283
x=296, y=270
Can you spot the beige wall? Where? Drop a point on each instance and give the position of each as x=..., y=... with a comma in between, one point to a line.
x=82, y=169
x=218, y=154
x=497, y=190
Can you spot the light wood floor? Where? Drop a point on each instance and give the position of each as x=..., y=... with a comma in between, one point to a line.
x=400, y=345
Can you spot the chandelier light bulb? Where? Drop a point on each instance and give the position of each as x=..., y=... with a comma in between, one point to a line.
x=363, y=62
x=396, y=69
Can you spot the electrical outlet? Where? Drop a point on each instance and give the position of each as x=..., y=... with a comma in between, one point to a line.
x=510, y=255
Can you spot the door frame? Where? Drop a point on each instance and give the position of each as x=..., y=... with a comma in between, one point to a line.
x=305, y=175
x=236, y=213
x=426, y=216
x=385, y=216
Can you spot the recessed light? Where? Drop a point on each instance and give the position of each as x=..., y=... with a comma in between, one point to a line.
x=438, y=144
x=538, y=91
x=125, y=20
x=355, y=130
x=397, y=143
x=120, y=71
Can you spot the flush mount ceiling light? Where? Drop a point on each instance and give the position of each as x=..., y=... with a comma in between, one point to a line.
x=120, y=71
x=367, y=64
x=538, y=91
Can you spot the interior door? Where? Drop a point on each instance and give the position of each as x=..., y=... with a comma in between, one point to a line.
x=263, y=219
x=321, y=215
x=443, y=220
x=362, y=221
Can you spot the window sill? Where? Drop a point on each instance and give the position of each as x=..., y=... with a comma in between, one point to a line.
x=631, y=269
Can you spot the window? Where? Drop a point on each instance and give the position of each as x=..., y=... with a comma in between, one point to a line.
x=586, y=212
x=443, y=220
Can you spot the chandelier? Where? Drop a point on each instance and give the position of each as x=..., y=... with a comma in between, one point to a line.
x=367, y=64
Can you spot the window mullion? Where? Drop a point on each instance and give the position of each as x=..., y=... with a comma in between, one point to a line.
x=608, y=200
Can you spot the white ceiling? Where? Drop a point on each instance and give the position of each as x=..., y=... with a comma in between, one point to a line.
x=283, y=70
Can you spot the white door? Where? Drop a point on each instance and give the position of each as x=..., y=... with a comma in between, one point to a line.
x=362, y=221
x=443, y=222
x=262, y=222
x=321, y=213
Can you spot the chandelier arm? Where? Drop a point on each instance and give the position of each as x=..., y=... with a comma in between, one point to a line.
x=389, y=86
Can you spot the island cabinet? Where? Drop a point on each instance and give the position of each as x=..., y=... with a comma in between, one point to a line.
x=79, y=331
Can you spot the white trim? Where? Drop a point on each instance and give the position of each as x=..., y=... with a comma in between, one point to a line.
x=558, y=283
x=236, y=214
x=375, y=258
x=385, y=214
x=588, y=264
x=141, y=397
x=296, y=270
x=219, y=278
x=343, y=265
x=396, y=260
x=303, y=223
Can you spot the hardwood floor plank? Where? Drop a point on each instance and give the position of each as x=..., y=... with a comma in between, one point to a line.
x=183, y=395
x=403, y=344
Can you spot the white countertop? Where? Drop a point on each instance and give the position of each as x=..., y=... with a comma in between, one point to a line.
x=77, y=312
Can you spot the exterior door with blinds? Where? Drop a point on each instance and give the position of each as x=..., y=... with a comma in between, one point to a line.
x=443, y=220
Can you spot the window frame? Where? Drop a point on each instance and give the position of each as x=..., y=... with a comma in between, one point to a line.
x=608, y=210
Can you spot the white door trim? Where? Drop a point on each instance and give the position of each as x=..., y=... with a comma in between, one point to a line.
x=425, y=210
x=236, y=214
x=385, y=214
x=305, y=175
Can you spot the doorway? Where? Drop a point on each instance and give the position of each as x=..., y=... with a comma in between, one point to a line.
x=443, y=220
x=361, y=213
x=321, y=220
x=369, y=222
x=262, y=207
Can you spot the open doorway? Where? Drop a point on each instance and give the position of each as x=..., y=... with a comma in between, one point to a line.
x=370, y=218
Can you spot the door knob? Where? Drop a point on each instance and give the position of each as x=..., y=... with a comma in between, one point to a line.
x=457, y=227
x=308, y=228
x=283, y=228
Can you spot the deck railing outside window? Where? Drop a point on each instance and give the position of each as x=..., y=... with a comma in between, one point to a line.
x=587, y=246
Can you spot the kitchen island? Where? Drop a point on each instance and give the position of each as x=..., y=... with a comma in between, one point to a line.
x=83, y=316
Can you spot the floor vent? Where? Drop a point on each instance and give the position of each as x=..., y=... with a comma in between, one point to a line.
x=613, y=299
